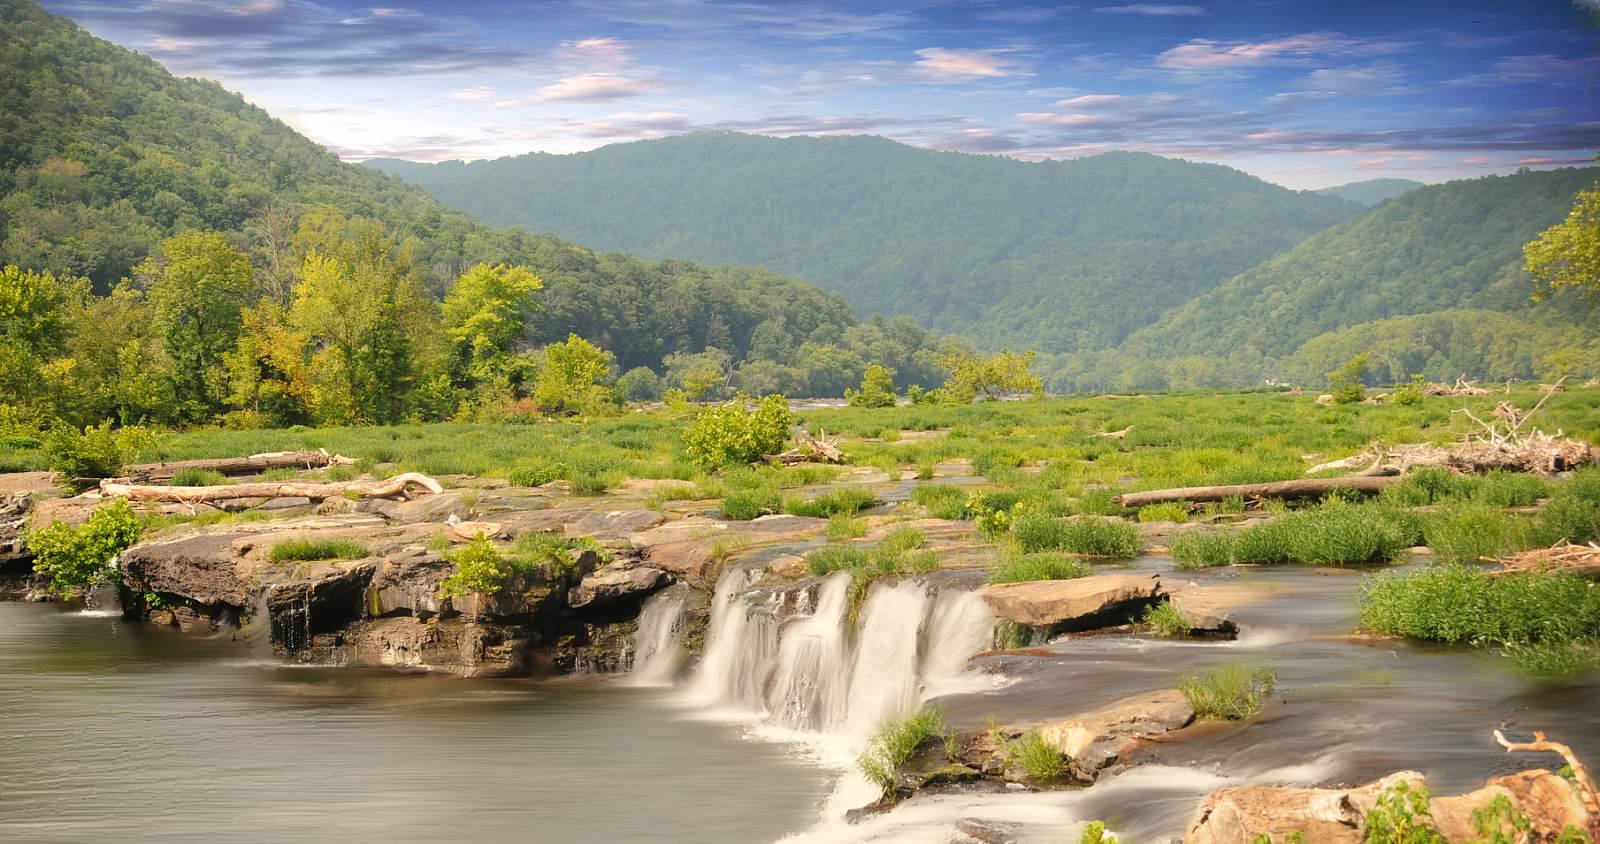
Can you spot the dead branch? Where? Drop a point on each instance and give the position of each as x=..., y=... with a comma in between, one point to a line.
x=810, y=450
x=1306, y=488
x=1580, y=774
x=252, y=465
x=1116, y=435
x=395, y=486
x=1563, y=558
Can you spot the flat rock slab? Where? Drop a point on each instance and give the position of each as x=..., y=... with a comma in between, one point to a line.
x=614, y=524
x=26, y=483
x=1209, y=607
x=611, y=585
x=1080, y=603
x=1097, y=739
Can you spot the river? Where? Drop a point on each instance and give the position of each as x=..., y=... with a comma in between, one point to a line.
x=116, y=731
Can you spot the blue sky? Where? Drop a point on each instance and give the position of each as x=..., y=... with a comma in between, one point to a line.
x=1305, y=93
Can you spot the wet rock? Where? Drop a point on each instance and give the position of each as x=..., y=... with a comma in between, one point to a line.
x=596, y=648
x=987, y=832
x=1083, y=603
x=1209, y=608
x=329, y=597
x=616, y=584
x=1098, y=739
x=691, y=561
x=453, y=646
x=406, y=582
x=202, y=567
x=1240, y=814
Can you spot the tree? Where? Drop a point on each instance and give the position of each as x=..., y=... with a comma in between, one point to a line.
x=992, y=375
x=640, y=383
x=877, y=388
x=728, y=434
x=1567, y=255
x=1345, y=383
x=698, y=374
x=573, y=378
x=198, y=289
x=33, y=309
x=484, y=314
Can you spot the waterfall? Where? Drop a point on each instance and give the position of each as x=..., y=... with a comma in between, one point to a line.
x=656, y=652
x=103, y=600
x=824, y=676
x=810, y=689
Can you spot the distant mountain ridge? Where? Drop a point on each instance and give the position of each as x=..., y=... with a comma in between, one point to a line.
x=1370, y=192
x=1055, y=255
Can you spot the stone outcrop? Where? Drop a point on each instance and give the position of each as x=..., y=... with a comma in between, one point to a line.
x=1084, y=603
x=1099, y=739
x=617, y=584
x=1240, y=814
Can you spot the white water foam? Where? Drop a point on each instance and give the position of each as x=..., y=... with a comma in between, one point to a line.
x=657, y=654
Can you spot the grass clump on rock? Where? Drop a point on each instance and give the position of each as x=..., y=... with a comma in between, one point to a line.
x=847, y=501
x=1230, y=693
x=1020, y=568
x=1093, y=536
x=1164, y=620
x=1042, y=760
x=895, y=743
x=899, y=553
x=310, y=550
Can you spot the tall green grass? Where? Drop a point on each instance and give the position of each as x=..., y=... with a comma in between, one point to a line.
x=1018, y=568
x=1090, y=535
x=1230, y=693
x=896, y=742
x=1334, y=533
x=308, y=550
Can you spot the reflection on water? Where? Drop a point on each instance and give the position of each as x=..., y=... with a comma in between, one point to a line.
x=112, y=731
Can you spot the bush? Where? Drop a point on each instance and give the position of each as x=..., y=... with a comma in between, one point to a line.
x=1334, y=533
x=80, y=558
x=1411, y=392
x=1345, y=382
x=847, y=501
x=1018, y=568
x=896, y=742
x=842, y=526
x=309, y=550
x=942, y=500
x=1198, y=549
x=1231, y=693
x=1458, y=603
x=1461, y=532
x=1573, y=512
x=479, y=568
x=640, y=384
x=728, y=434
x=97, y=452
x=198, y=477
x=877, y=388
x=1163, y=619
x=747, y=495
x=536, y=474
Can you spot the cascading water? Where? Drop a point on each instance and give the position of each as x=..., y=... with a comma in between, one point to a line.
x=959, y=625
x=740, y=642
x=810, y=688
x=885, y=681
x=102, y=601
x=657, y=655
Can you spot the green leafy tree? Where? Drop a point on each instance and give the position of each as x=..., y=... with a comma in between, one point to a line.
x=198, y=289
x=991, y=376
x=98, y=451
x=729, y=434
x=484, y=315
x=698, y=375
x=877, y=388
x=574, y=378
x=1346, y=384
x=640, y=383
x=1566, y=256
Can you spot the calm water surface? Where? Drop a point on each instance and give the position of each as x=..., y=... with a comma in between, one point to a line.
x=114, y=732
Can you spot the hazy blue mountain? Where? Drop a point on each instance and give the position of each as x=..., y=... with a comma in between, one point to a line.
x=1370, y=192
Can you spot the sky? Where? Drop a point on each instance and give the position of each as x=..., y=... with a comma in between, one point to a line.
x=1304, y=93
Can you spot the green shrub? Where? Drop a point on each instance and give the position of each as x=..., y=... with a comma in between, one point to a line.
x=832, y=558
x=556, y=554
x=536, y=474
x=1163, y=619
x=846, y=501
x=877, y=388
x=1095, y=833
x=80, y=558
x=1402, y=816
x=747, y=495
x=295, y=550
x=82, y=458
x=728, y=434
x=1462, y=531
x=1458, y=603
x=1230, y=693
x=896, y=742
x=1411, y=392
x=1042, y=760
x=894, y=555
x=842, y=526
x=1017, y=568
x=199, y=477
x=1345, y=382
x=1171, y=511
x=479, y=568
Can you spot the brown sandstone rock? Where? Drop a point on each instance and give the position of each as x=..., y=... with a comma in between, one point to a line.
x=1079, y=604
x=614, y=584
x=1100, y=738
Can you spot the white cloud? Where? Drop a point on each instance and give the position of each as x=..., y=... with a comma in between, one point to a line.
x=481, y=92
x=1155, y=10
x=940, y=63
x=593, y=87
x=1205, y=54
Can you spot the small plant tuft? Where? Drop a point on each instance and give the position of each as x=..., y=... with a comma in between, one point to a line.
x=309, y=550
x=1230, y=693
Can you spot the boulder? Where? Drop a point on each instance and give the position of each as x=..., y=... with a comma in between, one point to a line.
x=690, y=560
x=1082, y=603
x=407, y=583
x=331, y=596
x=452, y=646
x=1108, y=735
x=1208, y=608
x=203, y=568
x=1240, y=814
x=615, y=584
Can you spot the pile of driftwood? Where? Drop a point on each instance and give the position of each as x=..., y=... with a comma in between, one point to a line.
x=810, y=449
x=1566, y=558
x=1462, y=387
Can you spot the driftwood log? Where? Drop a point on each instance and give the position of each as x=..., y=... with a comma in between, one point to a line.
x=252, y=465
x=1580, y=774
x=1566, y=558
x=397, y=485
x=810, y=449
x=1304, y=488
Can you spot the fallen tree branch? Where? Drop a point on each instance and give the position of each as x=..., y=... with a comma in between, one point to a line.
x=1116, y=435
x=1304, y=488
x=1565, y=558
x=1580, y=774
x=252, y=465
x=810, y=450
x=397, y=485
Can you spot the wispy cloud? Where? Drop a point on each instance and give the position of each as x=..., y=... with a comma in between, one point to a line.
x=595, y=87
x=1155, y=10
x=1204, y=54
x=940, y=63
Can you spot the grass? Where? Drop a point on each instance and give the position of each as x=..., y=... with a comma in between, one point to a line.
x=897, y=554
x=896, y=742
x=847, y=501
x=308, y=550
x=943, y=501
x=843, y=526
x=748, y=494
x=198, y=477
x=1461, y=532
x=1331, y=534
x=1094, y=536
x=1018, y=568
x=1042, y=761
x=1164, y=620
x=1171, y=511
x=1230, y=693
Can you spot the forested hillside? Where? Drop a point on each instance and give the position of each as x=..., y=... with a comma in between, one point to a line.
x=1453, y=247
x=1370, y=192
x=104, y=156
x=1056, y=255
